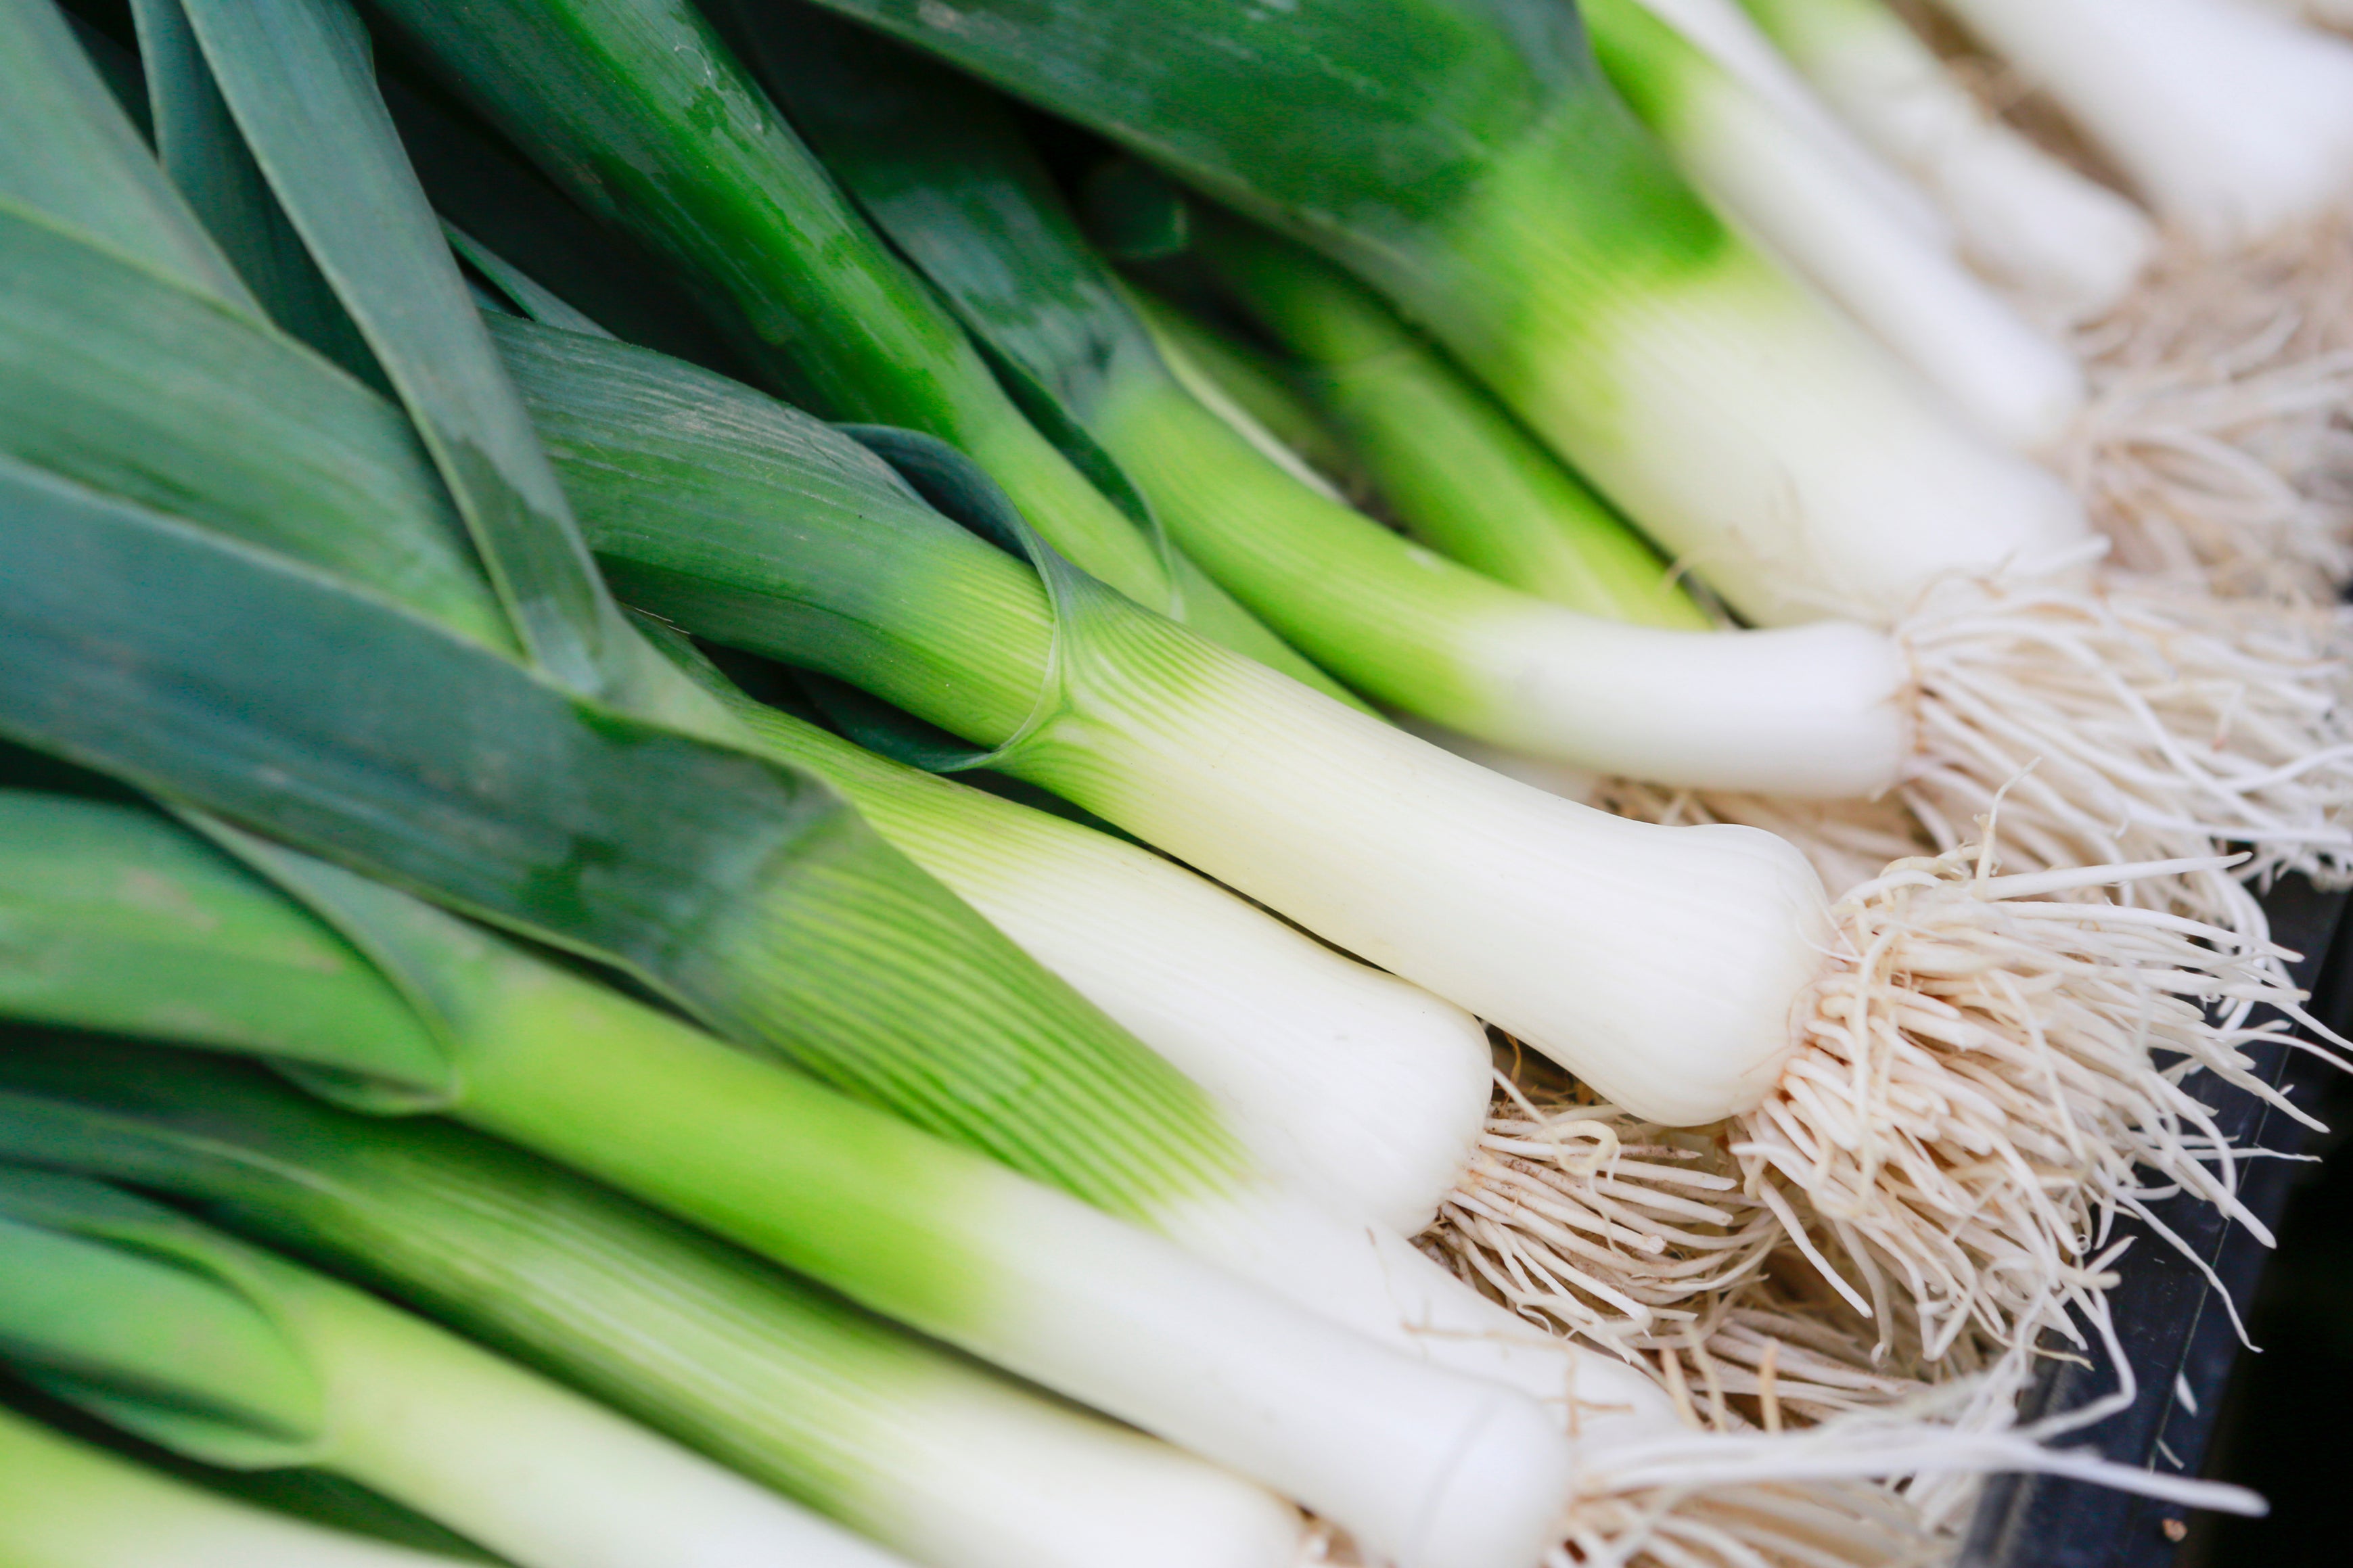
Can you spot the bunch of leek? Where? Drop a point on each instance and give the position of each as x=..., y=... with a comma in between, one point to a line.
x=2064, y=242
x=836, y=892
x=232, y=1354
x=1648, y=336
x=1558, y=923
x=2208, y=446
x=782, y=1382
x=137, y=672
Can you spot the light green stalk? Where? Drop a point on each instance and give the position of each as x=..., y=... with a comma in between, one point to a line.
x=238, y=1357
x=779, y=1379
x=640, y=110
x=1263, y=390
x=1456, y=468
x=63, y=1504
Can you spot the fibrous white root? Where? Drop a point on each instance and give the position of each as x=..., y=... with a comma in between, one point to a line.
x=2130, y=721
x=1989, y=1073
x=2216, y=445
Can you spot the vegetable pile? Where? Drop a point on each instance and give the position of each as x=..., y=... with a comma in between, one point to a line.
x=1033, y=783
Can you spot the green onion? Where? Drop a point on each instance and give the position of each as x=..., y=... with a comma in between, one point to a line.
x=1467, y=158
x=242, y=1358
x=2067, y=243
x=2007, y=378
x=782, y=1382
x=950, y=1242
x=1955, y=706
x=1245, y=383
x=716, y=181
x=66, y=147
x=2232, y=124
x=1570, y=928
x=63, y=1504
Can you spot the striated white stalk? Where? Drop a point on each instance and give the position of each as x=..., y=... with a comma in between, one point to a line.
x=1361, y=1087
x=1735, y=42
x=63, y=1504
x=2008, y=379
x=1577, y=932
x=1565, y=927
x=2070, y=246
x=1835, y=482
x=2231, y=123
x=537, y=1473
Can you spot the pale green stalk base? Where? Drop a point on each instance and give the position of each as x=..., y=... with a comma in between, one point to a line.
x=2069, y=246
x=2232, y=124
x=1261, y=390
x=1815, y=711
x=1054, y=499
x=66, y=1505
x=2009, y=381
x=1831, y=481
x=1573, y=931
x=1455, y=468
x=1369, y=1090
x=539, y=1474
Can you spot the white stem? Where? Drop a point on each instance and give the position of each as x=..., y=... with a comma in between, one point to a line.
x=1366, y=1088
x=1816, y=710
x=2232, y=123
x=531, y=1470
x=1834, y=481
x=2071, y=246
x=1735, y=42
x=66, y=1505
x=2008, y=379
x=1575, y=930
x=1436, y=1468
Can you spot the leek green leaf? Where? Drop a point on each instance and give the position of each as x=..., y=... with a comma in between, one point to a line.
x=68, y=150
x=206, y=157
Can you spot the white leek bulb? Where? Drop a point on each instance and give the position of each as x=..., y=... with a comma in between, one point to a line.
x=2234, y=125
x=2068, y=245
x=1759, y=161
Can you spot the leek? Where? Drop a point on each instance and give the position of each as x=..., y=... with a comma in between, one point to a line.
x=1129, y=1138
x=951, y=1242
x=63, y=1504
x=1565, y=927
x=1467, y=158
x=811, y=294
x=1361, y=1088
x=2110, y=758
x=2231, y=124
x=2012, y=382
x=234, y=1356
x=780, y=1381
x=1955, y=706
x=1737, y=44
x=1255, y=388
x=2068, y=245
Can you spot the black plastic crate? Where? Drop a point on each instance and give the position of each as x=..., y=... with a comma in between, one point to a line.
x=2178, y=1337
